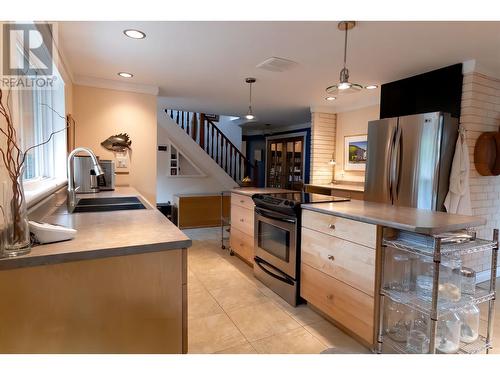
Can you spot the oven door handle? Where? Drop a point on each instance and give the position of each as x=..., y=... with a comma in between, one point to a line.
x=281, y=276
x=274, y=217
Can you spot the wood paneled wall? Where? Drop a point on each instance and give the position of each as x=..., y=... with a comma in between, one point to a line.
x=323, y=133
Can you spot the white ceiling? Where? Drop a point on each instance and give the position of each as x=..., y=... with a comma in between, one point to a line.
x=201, y=66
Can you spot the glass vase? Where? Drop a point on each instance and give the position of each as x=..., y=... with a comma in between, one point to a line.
x=16, y=233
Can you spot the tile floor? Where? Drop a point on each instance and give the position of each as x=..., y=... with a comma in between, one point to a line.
x=229, y=311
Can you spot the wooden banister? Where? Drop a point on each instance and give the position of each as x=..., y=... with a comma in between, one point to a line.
x=215, y=143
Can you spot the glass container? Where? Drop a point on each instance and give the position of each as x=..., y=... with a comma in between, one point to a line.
x=397, y=321
x=448, y=333
x=400, y=272
x=469, y=317
x=450, y=283
x=468, y=280
x=423, y=278
x=418, y=335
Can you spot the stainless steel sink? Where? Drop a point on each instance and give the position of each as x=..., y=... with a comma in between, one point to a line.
x=108, y=204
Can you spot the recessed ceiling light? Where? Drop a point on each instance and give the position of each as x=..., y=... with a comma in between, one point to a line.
x=330, y=98
x=134, y=34
x=371, y=87
x=125, y=75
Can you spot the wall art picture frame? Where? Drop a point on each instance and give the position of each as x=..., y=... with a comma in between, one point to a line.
x=355, y=147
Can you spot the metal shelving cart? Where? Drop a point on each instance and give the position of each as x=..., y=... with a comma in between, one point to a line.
x=434, y=248
x=225, y=220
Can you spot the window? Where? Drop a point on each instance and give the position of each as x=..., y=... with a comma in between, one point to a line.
x=38, y=112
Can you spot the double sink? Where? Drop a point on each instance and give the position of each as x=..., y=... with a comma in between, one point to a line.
x=108, y=204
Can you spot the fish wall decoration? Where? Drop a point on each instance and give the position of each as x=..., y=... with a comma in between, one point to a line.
x=117, y=143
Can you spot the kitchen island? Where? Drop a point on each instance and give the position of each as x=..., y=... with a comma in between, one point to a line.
x=120, y=286
x=341, y=267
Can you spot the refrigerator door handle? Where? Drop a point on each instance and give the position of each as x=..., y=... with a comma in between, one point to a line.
x=396, y=163
x=390, y=162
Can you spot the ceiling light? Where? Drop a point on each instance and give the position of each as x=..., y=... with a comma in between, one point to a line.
x=330, y=98
x=134, y=34
x=344, y=86
x=125, y=75
x=250, y=115
x=371, y=87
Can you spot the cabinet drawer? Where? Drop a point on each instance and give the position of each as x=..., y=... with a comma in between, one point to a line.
x=350, y=230
x=348, y=306
x=242, y=201
x=242, y=219
x=346, y=261
x=242, y=244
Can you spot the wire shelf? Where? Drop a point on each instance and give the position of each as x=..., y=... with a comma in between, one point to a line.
x=444, y=306
x=463, y=248
x=475, y=347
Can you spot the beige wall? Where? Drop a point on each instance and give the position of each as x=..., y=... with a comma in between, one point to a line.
x=100, y=113
x=352, y=123
x=322, y=146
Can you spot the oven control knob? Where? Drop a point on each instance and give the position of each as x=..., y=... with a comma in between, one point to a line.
x=286, y=203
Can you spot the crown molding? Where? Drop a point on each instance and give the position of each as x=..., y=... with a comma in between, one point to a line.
x=116, y=85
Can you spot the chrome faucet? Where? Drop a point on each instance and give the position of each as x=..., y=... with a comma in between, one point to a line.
x=72, y=201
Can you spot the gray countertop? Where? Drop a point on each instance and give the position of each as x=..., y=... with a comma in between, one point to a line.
x=249, y=191
x=404, y=218
x=105, y=234
x=343, y=186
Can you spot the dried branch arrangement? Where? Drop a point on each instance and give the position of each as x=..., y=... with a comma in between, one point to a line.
x=14, y=159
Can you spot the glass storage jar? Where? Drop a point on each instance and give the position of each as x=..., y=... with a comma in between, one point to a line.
x=448, y=333
x=400, y=272
x=418, y=335
x=469, y=317
x=468, y=279
x=450, y=283
x=397, y=320
x=424, y=277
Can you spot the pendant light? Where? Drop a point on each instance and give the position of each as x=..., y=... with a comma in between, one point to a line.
x=344, y=86
x=250, y=115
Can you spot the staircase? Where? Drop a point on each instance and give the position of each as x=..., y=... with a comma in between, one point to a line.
x=213, y=141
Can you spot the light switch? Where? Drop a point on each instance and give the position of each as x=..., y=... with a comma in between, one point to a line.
x=121, y=161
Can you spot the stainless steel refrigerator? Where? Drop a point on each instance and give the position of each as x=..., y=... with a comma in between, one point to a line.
x=409, y=160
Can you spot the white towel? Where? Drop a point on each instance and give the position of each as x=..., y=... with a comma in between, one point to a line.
x=458, y=199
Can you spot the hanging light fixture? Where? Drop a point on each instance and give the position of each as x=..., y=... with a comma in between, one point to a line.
x=344, y=86
x=250, y=115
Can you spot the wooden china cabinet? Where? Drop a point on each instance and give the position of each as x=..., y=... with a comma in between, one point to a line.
x=285, y=163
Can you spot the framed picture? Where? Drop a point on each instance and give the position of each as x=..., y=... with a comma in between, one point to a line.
x=355, y=152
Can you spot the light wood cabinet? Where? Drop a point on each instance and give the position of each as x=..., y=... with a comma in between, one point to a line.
x=338, y=270
x=351, y=308
x=350, y=230
x=350, y=263
x=242, y=227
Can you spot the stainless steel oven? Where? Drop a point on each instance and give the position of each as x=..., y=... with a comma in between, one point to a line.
x=276, y=238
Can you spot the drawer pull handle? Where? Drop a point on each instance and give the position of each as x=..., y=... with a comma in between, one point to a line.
x=242, y=220
x=332, y=226
x=242, y=201
x=331, y=257
x=329, y=297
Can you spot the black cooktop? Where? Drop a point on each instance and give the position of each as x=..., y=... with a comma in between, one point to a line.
x=291, y=202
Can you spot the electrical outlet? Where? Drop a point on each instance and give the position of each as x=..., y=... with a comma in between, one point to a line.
x=121, y=161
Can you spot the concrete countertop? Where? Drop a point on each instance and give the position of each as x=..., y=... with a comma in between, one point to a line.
x=346, y=187
x=404, y=218
x=249, y=191
x=105, y=234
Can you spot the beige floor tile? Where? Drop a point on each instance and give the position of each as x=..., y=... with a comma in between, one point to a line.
x=263, y=320
x=212, y=334
x=331, y=336
x=297, y=341
x=239, y=349
x=201, y=304
x=236, y=297
x=223, y=279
